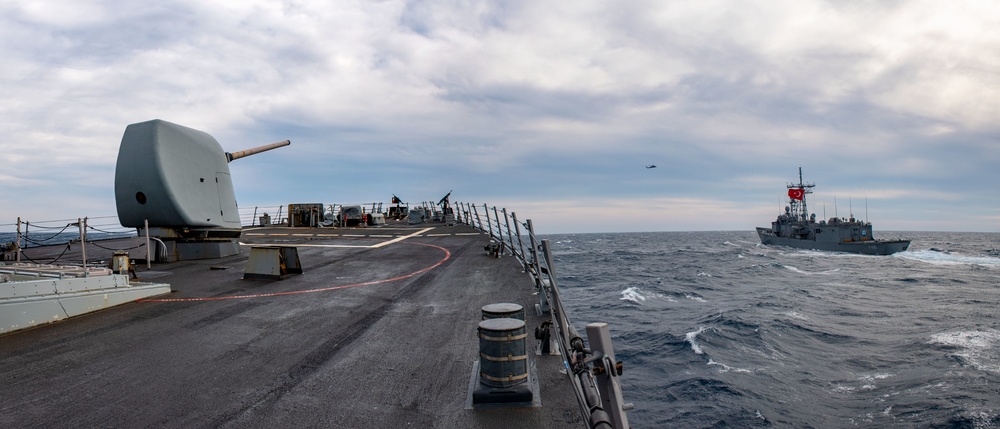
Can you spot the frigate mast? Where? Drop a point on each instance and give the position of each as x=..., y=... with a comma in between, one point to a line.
x=797, y=197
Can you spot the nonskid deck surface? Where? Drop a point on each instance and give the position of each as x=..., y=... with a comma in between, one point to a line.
x=378, y=331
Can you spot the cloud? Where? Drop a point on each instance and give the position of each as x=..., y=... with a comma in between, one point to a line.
x=517, y=98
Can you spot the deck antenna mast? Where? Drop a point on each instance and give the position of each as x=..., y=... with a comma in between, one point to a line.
x=797, y=197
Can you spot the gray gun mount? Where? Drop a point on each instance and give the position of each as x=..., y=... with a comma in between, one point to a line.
x=177, y=178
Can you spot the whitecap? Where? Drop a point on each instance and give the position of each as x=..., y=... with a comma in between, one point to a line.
x=843, y=389
x=692, y=337
x=796, y=315
x=797, y=270
x=632, y=294
x=981, y=349
x=793, y=269
x=694, y=298
x=727, y=368
x=940, y=258
x=704, y=274
x=868, y=381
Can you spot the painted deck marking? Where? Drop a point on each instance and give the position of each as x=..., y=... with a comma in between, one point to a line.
x=447, y=255
x=398, y=239
x=349, y=246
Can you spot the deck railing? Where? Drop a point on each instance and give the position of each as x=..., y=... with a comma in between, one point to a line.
x=594, y=371
x=87, y=231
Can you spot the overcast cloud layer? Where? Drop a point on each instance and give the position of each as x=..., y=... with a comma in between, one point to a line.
x=551, y=109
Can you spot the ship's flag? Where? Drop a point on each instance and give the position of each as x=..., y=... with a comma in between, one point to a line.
x=796, y=193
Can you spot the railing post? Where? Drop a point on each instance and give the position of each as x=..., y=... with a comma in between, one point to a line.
x=18, y=244
x=510, y=233
x=479, y=221
x=569, y=335
x=570, y=341
x=543, y=299
x=149, y=253
x=520, y=244
x=83, y=243
x=489, y=223
x=27, y=226
x=599, y=337
x=496, y=215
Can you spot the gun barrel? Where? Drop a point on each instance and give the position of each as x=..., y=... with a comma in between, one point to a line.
x=243, y=153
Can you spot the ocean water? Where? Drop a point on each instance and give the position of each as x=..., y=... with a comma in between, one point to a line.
x=716, y=330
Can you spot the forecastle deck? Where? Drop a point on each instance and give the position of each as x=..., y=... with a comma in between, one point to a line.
x=380, y=330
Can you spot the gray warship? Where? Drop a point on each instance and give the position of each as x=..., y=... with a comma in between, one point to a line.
x=449, y=319
x=797, y=228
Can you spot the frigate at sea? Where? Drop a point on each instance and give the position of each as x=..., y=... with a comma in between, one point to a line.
x=796, y=227
x=442, y=314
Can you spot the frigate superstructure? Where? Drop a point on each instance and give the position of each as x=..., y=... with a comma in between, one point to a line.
x=796, y=227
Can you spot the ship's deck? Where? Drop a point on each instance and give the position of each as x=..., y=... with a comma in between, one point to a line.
x=378, y=332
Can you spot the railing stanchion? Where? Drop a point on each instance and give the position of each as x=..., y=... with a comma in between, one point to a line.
x=520, y=244
x=489, y=223
x=599, y=337
x=149, y=253
x=17, y=250
x=536, y=267
x=479, y=221
x=496, y=216
x=83, y=244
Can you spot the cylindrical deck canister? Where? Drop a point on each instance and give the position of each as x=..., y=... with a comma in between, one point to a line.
x=503, y=310
x=503, y=361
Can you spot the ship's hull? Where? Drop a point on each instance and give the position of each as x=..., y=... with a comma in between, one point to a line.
x=867, y=247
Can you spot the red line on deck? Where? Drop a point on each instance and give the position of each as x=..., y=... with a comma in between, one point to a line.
x=447, y=255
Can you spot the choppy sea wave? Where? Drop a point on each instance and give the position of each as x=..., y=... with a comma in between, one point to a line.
x=716, y=330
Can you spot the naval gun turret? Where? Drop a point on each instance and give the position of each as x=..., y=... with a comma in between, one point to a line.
x=176, y=180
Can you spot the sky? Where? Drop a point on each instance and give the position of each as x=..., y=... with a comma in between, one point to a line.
x=552, y=110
